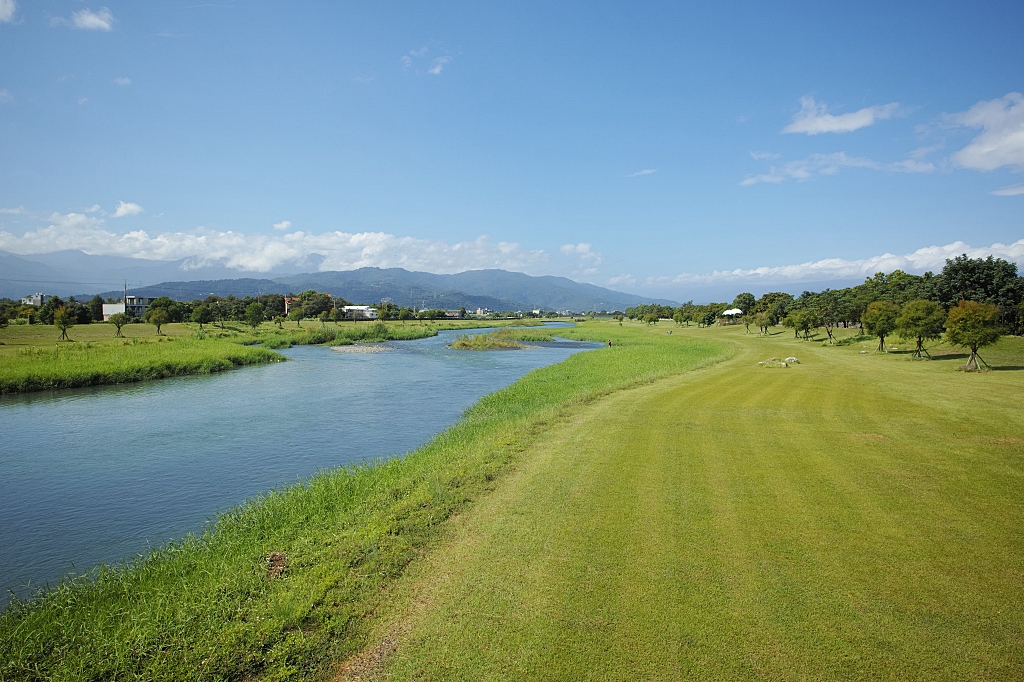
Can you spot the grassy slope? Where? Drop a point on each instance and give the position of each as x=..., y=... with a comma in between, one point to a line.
x=852, y=517
x=205, y=608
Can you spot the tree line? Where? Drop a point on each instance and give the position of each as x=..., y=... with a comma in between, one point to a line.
x=985, y=294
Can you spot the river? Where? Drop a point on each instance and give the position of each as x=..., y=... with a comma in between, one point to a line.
x=100, y=475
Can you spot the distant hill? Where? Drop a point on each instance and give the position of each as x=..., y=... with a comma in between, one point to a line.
x=494, y=289
x=66, y=273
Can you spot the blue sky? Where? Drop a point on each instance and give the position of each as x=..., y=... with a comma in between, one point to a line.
x=656, y=148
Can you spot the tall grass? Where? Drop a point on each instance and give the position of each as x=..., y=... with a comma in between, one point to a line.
x=74, y=365
x=484, y=342
x=207, y=607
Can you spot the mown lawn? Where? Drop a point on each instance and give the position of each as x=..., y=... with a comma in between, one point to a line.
x=855, y=516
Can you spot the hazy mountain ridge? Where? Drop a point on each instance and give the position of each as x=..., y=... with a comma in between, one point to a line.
x=72, y=272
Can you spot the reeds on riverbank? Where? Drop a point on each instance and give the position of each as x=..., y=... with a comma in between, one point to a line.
x=85, y=364
x=484, y=342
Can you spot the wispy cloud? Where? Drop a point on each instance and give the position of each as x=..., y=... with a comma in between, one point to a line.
x=12, y=211
x=123, y=81
x=8, y=8
x=831, y=164
x=82, y=101
x=412, y=57
x=929, y=258
x=6, y=96
x=87, y=20
x=438, y=65
x=261, y=253
x=814, y=119
x=127, y=208
x=283, y=225
x=1001, y=142
x=1015, y=191
x=645, y=171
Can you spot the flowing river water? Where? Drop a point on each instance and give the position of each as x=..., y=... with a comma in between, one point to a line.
x=100, y=475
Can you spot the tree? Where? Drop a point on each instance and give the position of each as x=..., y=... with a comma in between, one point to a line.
x=762, y=320
x=973, y=325
x=296, y=314
x=255, y=313
x=158, y=317
x=879, y=319
x=744, y=302
x=64, y=319
x=202, y=314
x=324, y=316
x=651, y=318
x=46, y=310
x=921, y=320
x=95, y=306
x=119, y=320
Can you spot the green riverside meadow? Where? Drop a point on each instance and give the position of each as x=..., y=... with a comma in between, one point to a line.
x=289, y=583
x=683, y=503
x=33, y=361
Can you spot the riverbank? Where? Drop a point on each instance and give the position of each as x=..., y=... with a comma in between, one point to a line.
x=33, y=360
x=216, y=606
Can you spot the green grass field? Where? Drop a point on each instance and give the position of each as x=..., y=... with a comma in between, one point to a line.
x=666, y=508
x=855, y=516
x=208, y=608
x=33, y=359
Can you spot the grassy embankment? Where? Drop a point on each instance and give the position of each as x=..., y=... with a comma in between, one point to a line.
x=213, y=607
x=31, y=359
x=855, y=516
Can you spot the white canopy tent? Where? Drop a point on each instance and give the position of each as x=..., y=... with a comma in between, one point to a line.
x=732, y=311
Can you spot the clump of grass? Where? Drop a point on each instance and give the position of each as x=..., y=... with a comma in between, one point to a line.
x=484, y=342
x=71, y=366
x=206, y=607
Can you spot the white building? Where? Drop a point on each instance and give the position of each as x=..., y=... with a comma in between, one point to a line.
x=136, y=307
x=359, y=312
x=112, y=309
x=34, y=299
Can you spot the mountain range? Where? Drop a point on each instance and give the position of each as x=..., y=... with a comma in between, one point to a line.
x=75, y=273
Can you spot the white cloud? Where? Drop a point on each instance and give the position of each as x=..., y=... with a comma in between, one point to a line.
x=421, y=52
x=6, y=96
x=645, y=171
x=929, y=258
x=95, y=208
x=127, y=208
x=813, y=118
x=123, y=81
x=765, y=156
x=88, y=20
x=1001, y=142
x=619, y=280
x=439, y=64
x=283, y=225
x=260, y=253
x=7, y=10
x=406, y=61
x=831, y=164
x=12, y=211
x=82, y=101
x=1014, y=191
x=583, y=251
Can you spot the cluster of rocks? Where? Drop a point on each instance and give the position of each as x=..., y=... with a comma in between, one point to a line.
x=775, y=362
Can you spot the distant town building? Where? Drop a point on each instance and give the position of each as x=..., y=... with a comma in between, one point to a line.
x=484, y=311
x=359, y=312
x=457, y=314
x=133, y=305
x=34, y=299
x=112, y=309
